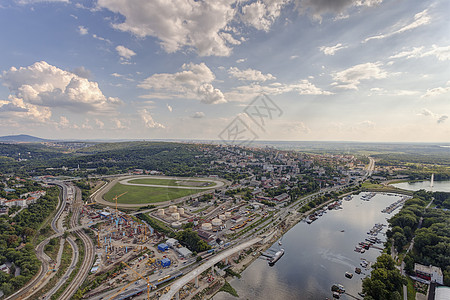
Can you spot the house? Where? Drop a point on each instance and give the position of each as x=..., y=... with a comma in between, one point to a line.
x=163, y=247
x=4, y=268
x=184, y=252
x=282, y=197
x=430, y=273
x=172, y=242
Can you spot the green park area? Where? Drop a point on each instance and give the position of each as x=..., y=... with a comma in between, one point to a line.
x=173, y=182
x=146, y=194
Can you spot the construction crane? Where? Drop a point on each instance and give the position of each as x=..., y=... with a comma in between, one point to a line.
x=149, y=285
x=115, y=199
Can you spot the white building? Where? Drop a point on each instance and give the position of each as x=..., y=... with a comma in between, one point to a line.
x=172, y=242
x=430, y=273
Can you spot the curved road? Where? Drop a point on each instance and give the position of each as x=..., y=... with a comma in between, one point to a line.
x=217, y=182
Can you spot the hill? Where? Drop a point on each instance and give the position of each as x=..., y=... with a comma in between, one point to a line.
x=21, y=138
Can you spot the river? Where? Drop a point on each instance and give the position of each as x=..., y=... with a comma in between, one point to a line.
x=438, y=186
x=317, y=255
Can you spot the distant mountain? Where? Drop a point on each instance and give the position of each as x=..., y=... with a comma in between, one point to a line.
x=21, y=138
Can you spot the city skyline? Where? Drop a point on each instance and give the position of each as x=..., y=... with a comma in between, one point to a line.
x=346, y=71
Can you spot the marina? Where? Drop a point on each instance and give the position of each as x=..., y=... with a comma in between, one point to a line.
x=320, y=254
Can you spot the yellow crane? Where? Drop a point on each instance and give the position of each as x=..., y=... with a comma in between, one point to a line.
x=149, y=285
x=115, y=199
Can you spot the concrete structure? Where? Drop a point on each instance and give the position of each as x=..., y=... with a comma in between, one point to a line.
x=206, y=226
x=161, y=212
x=176, y=216
x=171, y=242
x=430, y=273
x=228, y=214
x=237, y=219
x=173, y=209
x=163, y=247
x=216, y=222
x=184, y=252
x=222, y=217
x=176, y=224
x=181, y=211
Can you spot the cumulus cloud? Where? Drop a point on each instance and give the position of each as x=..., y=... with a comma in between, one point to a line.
x=42, y=86
x=420, y=19
x=351, y=77
x=241, y=60
x=317, y=8
x=333, y=49
x=169, y=108
x=82, y=72
x=442, y=119
x=82, y=30
x=177, y=24
x=148, y=120
x=198, y=115
x=262, y=14
x=441, y=53
x=125, y=53
x=193, y=82
x=250, y=75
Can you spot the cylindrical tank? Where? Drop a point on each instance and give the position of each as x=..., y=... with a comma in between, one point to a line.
x=173, y=208
x=176, y=216
x=217, y=222
x=161, y=212
x=176, y=224
x=222, y=217
x=228, y=214
x=206, y=226
x=181, y=211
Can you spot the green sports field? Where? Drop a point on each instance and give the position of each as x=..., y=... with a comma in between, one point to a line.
x=145, y=194
x=173, y=182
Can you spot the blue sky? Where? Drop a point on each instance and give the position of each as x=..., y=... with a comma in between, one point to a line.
x=365, y=70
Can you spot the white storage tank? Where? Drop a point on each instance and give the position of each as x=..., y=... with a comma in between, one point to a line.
x=176, y=216
x=161, y=212
x=222, y=217
x=176, y=224
x=173, y=209
x=217, y=222
x=206, y=226
x=181, y=211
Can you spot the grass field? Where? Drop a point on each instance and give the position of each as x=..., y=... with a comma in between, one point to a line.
x=173, y=182
x=145, y=194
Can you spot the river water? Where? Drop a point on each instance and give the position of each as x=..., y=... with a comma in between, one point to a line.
x=438, y=186
x=317, y=255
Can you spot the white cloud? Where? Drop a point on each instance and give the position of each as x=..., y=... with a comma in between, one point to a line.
x=241, y=60
x=351, y=77
x=194, y=82
x=101, y=38
x=333, y=49
x=441, y=53
x=293, y=57
x=248, y=92
x=118, y=124
x=124, y=52
x=42, y=86
x=99, y=124
x=198, y=115
x=177, y=24
x=148, y=120
x=250, y=75
x=169, y=108
x=262, y=14
x=436, y=91
x=420, y=19
x=24, y=2
x=82, y=30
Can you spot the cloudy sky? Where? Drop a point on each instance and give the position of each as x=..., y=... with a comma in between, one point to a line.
x=352, y=70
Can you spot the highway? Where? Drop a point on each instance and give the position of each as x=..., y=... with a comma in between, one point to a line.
x=177, y=285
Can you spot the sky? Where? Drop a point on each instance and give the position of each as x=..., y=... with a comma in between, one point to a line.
x=293, y=70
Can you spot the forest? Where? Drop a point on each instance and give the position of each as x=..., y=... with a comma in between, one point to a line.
x=16, y=241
